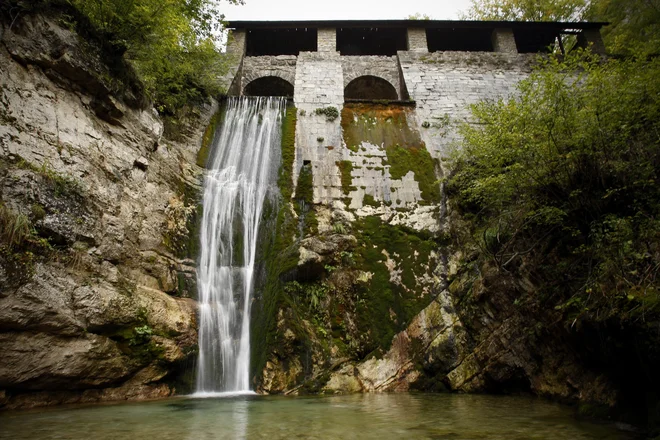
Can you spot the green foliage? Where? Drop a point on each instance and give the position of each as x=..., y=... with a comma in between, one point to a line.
x=418, y=16
x=526, y=10
x=563, y=181
x=20, y=245
x=171, y=43
x=634, y=25
x=312, y=293
x=15, y=229
x=339, y=228
x=141, y=335
x=331, y=113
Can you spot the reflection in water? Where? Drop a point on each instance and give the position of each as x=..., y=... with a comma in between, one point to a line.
x=374, y=416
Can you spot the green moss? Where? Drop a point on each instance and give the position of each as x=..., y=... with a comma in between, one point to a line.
x=305, y=185
x=135, y=342
x=285, y=180
x=388, y=307
x=279, y=255
x=387, y=125
x=418, y=160
x=345, y=168
x=38, y=212
x=305, y=198
x=370, y=201
x=209, y=135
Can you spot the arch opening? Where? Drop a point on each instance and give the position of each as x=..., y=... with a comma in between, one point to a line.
x=269, y=86
x=370, y=87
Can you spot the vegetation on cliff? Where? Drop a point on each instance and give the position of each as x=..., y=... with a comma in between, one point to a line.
x=172, y=45
x=559, y=187
x=568, y=172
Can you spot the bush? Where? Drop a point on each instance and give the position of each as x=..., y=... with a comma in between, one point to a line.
x=563, y=180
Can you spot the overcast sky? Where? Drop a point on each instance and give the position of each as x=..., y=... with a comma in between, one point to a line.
x=343, y=9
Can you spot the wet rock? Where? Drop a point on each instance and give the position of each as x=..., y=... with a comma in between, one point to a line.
x=40, y=361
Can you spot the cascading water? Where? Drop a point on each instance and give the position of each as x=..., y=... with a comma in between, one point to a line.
x=242, y=171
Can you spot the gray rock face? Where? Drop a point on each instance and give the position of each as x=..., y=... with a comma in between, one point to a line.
x=100, y=310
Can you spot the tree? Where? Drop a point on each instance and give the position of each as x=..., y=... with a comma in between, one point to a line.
x=634, y=25
x=526, y=10
x=418, y=16
x=564, y=182
x=171, y=43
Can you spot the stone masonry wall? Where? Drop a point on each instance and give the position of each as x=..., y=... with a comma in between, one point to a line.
x=383, y=67
x=327, y=40
x=282, y=66
x=417, y=40
x=319, y=84
x=442, y=84
x=504, y=41
x=445, y=84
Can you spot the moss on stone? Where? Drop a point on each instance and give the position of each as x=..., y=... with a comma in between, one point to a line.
x=387, y=126
x=305, y=185
x=369, y=200
x=418, y=160
x=389, y=306
x=209, y=136
x=305, y=200
x=285, y=180
x=345, y=168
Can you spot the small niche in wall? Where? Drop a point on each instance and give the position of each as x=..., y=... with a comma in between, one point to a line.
x=460, y=39
x=285, y=41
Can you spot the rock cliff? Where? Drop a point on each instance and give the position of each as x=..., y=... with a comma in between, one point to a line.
x=95, y=283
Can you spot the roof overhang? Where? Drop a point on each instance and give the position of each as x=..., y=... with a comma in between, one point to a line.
x=427, y=24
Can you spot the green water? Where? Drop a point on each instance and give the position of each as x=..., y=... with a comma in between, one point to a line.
x=380, y=416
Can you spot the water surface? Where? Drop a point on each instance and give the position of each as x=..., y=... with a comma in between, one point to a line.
x=371, y=416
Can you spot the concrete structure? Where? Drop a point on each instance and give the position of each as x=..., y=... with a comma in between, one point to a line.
x=439, y=67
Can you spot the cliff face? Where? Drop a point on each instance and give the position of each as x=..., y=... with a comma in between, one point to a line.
x=95, y=286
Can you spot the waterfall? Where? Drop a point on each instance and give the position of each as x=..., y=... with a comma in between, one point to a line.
x=242, y=171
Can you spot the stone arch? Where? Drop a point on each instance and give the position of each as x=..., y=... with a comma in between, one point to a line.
x=269, y=86
x=370, y=87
